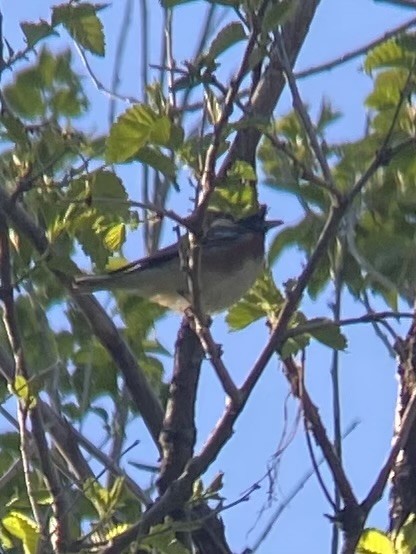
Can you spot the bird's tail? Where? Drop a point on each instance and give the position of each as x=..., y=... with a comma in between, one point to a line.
x=91, y=283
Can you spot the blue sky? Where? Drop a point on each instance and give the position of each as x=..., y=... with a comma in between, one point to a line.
x=366, y=373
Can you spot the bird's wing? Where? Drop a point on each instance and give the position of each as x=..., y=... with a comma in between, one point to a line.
x=161, y=256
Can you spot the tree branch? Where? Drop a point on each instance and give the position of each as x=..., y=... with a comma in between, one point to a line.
x=356, y=53
x=271, y=84
x=27, y=410
x=143, y=396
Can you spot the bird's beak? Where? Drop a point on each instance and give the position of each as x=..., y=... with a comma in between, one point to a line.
x=272, y=223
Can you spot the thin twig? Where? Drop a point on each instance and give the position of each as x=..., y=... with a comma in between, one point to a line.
x=404, y=3
x=356, y=52
x=205, y=34
x=316, y=470
x=65, y=436
x=306, y=172
x=170, y=60
x=119, y=55
x=142, y=393
x=303, y=113
x=98, y=84
x=212, y=350
x=144, y=77
x=118, y=428
x=295, y=491
x=300, y=384
x=24, y=408
x=376, y=326
x=320, y=435
x=336, y=400
x=315, y=324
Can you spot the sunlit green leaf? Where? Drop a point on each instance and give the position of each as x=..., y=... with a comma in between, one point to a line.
x=227, y=37
x=373, y=541
x=263, y=300
x=386, y=54
x=133, y=130
x=236, y=198
x=115, y=237
x=23, y=528
x=405, y=541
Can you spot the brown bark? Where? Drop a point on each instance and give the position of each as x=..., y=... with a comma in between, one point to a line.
x=403, y=476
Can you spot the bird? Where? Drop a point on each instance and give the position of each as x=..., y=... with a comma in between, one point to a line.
x=232, y=257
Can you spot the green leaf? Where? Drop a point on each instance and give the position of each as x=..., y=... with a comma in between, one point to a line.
x=386, y=54
x=236, y=199
x=373, y=541
x=82, y=24
x=329, y=334
x=22, y=390
x=326, y=116
x=227, y=37
x=156, y=159
x=244, y=313
x=64, y=102
x=276, y=14
x=408, y=42
x=233, y=3
x=242, y=170
x=195, y=148
x=162, y=538
x=173, y=3
x=23, y=528
x=115, y=237
x=49, y=85
x=87, y=230
x=263, y=300
x=35, y=32
x=303, y=235
x=103, y=377
x=405, y=541
x=24, y=95
x=387, y=90
x=105, y=186
x=15, y=129
x=139, y=316
x=133, y=130
x=294, y=345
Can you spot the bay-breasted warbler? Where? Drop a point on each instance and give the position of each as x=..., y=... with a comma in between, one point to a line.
x=232, y=257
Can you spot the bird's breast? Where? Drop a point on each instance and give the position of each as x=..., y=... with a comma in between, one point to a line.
x=236, y=273
x=226, y=274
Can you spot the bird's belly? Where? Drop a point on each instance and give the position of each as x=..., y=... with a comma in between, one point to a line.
x=217, y=293
x=221, y=293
